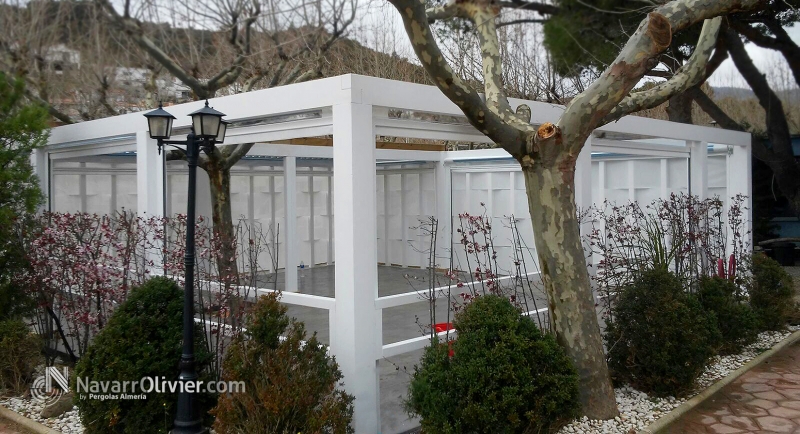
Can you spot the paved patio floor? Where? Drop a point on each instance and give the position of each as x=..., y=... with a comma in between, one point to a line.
x=764, y=400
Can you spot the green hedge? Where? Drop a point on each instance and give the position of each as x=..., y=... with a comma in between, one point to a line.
x=143, y=338
x=735, y=319
x=20, y=353
x=771, y=292
x=660, y=338
x=505, y=376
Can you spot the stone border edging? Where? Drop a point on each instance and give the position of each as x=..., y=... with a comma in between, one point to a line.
x=665, y=421
x=28, y=424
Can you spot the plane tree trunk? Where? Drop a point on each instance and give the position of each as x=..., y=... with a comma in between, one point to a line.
x=219, y=177
x=551, y=202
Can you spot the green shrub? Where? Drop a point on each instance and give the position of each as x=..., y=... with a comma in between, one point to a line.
x=735, y=319
x=20, y=353
x=505, y=376
x=659, y=338
x=142, y=339
x=290, y=385
x=771, y=292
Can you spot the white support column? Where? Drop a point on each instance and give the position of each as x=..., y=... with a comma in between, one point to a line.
x=740, y=181
x=149, y=177
x=149, y=185
x=631, y=181
x=112, y=205
x=698, y=169
x=40, y=164
x=329, y=208
x=357, y=337
x=444, y=213
x=403, y=225
x=82, y=194
x=290, y=223
x=601, y=183
x=386, y=231
x=311, y=236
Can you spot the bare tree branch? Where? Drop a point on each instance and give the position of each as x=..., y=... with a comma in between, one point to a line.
x=690, y=74
x=588, y=110
x=473, y=106
x=495, y=94
x=777, y=126
x=541, y=8
x=782, y=42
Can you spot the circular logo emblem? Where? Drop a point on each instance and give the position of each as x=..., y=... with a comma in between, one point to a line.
x=40, y=393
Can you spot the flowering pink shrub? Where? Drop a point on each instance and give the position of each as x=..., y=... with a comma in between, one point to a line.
x=83, y=265
x=690, y=237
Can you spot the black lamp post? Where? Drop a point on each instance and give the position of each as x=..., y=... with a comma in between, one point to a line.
x=208, y=129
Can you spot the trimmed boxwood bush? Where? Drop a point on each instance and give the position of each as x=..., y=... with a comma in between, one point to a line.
x=660, y=338
x=735, y=319
x=20, y=353
x=290, y=384
x=142, y=339
x=505, y=376
x=771, y=292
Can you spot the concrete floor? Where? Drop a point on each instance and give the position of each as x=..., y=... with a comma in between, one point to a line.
x=399, y=323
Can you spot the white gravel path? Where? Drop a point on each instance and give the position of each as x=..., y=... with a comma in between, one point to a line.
x=638, y=410
x=68, y=423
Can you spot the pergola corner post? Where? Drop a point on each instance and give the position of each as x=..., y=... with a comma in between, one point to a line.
x=740, y=181
x=149, y=177
x=356, y=337
x=149, y=184
x=40, y=164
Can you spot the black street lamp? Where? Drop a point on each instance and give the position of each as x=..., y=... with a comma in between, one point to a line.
x=208, y=129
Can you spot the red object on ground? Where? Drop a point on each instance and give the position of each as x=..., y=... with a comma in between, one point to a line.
x=443, y=327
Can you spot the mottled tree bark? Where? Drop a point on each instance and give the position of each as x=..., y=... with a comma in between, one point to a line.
x=219, y=177
x=566, y=280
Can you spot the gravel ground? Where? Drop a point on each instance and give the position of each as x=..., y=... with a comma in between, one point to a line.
x=68, y=423
x=637, y=409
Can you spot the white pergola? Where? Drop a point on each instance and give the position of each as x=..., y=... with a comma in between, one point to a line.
x=354, y=110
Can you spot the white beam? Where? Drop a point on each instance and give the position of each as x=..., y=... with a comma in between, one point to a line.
x=290, y=224
x=357, y=340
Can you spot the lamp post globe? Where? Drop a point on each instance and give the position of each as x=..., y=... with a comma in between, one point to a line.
x=223, y=128
x=159, y=121
x=206, y=122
